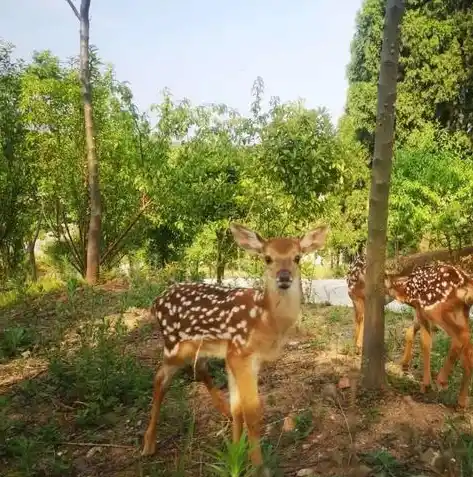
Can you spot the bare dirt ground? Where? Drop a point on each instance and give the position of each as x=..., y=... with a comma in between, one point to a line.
x=75, y=395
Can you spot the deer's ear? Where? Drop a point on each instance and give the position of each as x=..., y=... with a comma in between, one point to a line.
x=247, y=239
x=392, y=281
x=314, y=239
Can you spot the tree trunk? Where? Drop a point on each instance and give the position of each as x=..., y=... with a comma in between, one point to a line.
x=31, y=254
x=220, y=255
x=373, y=358
x=95, y=223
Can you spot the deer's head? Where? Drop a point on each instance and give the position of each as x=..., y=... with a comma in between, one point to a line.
x=281, y=255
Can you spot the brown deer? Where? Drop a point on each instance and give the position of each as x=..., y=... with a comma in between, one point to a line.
x=243, y=326
x=441, y=294
x=356, y=292
x=402, y=265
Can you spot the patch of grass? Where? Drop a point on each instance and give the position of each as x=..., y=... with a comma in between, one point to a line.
x=460, y=442
x=218, y=372
x=385, y=462
x=14, y=340
x=142, y=292
x=29, y=449
x=98, y=375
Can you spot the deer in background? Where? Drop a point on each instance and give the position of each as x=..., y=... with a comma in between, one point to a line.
x=441, y=294
x=403, y=266
x=356, y=292
x=244, y=326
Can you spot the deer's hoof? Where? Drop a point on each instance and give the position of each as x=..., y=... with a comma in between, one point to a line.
x=149, y=448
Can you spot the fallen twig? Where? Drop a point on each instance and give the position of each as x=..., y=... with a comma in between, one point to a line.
x=97, y=444
x=346, y=420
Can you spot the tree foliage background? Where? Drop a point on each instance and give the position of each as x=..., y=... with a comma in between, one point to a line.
x=172, y=184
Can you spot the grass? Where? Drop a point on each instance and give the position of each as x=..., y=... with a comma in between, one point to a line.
x=76, y=373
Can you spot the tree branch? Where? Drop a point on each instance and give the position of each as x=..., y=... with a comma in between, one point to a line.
x=74, y=9
x=112, y=248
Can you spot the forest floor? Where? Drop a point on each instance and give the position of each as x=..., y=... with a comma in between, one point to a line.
x=76, y=371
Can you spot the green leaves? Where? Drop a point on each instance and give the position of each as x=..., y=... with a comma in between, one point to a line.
x=435, y=81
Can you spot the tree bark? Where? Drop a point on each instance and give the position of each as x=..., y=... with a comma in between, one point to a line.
x=220, y=268
x=373, y=358
x=31, y=253
x=95, y=220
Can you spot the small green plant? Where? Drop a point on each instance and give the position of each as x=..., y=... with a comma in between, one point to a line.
x=383, y=461
x=461, y=444
x=14, y=340
x=232, y=459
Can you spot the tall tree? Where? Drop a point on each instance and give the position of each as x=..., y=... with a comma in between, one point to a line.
x=435, y=80
x=95, y=221
x=373, y=340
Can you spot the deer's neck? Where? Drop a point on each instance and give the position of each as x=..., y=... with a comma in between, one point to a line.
x=283, y=306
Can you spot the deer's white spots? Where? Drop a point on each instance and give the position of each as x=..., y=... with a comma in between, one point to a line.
x=242, y=324
x=242, y=307
x=254, y=312
x=164, y=322
x=159, y=315
x=172, y=338
x=197, y=298
x=231, y=329
x=239, y=339
x=161, y=301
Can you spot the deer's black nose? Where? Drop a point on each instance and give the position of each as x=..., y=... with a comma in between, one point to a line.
x=284, y=278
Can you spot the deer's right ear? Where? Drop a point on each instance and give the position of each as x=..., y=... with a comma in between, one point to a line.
x=247, y=239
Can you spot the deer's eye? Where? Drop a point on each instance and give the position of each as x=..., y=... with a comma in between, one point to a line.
x=268, y=259
x=297, y=258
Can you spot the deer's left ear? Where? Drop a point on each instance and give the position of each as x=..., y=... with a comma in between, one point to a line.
x=314, y=239
x=247, y=238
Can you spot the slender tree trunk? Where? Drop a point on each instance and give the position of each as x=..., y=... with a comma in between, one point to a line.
x=95, y=223
x=31, y=254
x=220, y=255
x=373, y=359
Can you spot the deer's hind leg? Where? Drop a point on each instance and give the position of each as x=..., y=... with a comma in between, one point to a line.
x=426, y=343
x=359, y=315
x=409, y=343
x=162, y=381
x=218, y=398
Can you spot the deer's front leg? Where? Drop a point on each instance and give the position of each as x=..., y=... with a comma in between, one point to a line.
x=359, y=306
x=467, y=362
x=245, y=402
x=408, y=344
x=426, y=342
x=235, y=406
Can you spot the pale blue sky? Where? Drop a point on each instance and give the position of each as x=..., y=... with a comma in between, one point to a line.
x=205, y=50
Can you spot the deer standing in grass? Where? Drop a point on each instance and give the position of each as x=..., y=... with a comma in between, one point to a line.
x=442, y=295
x=243, y=326
x=356, y=292
x=356, y=288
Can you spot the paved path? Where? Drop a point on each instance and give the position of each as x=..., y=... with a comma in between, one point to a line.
x=333, y=291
